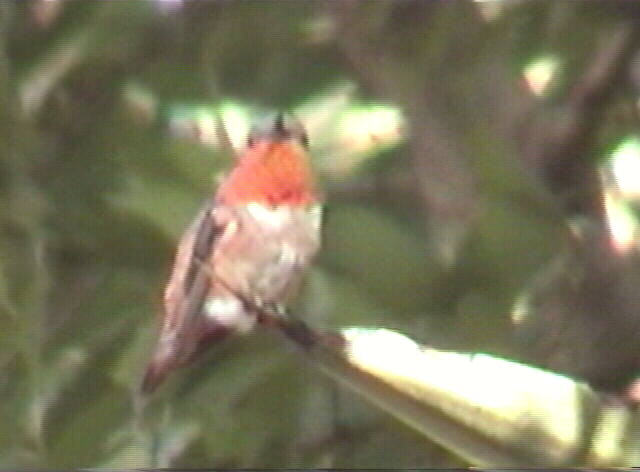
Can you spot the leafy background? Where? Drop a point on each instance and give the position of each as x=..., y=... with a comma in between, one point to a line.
x=478, y=160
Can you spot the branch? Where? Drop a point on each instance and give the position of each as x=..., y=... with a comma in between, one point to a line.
x=441, y=175
x=488, y=411
x=558, y=151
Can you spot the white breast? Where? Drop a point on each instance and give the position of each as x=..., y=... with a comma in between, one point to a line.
x=280, y=216
x=275, y=217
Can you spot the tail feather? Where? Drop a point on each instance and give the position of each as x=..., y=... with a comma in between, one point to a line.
x=155, y=374
x=153, y=377
x=208, y=335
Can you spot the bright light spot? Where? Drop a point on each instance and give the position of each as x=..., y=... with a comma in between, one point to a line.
x=363, y=130
x=521, y=309
x=205, y=126
x=319, y=114
x=621, y=223
x=539, y=72
x=609, y=435
x=383, y=347
x=625, y=164
x=200, y=123
x=478, y=381
x=367, y=128
x=236, y=121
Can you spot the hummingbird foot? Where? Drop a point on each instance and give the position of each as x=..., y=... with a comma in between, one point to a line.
x=269, y=313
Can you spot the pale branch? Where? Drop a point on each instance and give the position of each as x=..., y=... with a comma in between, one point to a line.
x=477, y=406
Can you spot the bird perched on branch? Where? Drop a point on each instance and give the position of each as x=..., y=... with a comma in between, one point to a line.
x=246, y=251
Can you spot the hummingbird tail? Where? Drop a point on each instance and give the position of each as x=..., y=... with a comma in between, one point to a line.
x=208, y=335
x=155, y=374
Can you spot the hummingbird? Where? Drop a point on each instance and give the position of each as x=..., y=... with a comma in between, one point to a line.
x=247, y=250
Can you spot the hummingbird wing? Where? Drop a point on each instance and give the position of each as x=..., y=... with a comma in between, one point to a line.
x=183, y=327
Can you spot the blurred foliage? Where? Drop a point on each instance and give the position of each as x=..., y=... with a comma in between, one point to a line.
x=435, y=226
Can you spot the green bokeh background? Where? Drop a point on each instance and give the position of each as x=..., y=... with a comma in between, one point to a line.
x=433, y=229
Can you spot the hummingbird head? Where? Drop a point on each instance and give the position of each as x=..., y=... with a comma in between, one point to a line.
x=282, y=128
x=274, y=169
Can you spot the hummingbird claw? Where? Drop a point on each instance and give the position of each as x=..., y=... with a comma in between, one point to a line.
x=269, y=313
x=277, y=310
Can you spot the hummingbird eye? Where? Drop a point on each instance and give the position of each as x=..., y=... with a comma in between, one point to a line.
x=253, y=136
x=288, y=126
x=283, y=127
x=279, y=125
